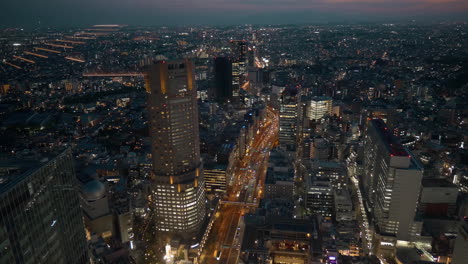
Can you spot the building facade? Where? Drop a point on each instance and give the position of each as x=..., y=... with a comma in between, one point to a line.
x=318, y=107
x=319, y=197
x=392, y=183
x=178, y=188
x=40, y=217
x=288, y=118
x=239, y=63
x=215, y=179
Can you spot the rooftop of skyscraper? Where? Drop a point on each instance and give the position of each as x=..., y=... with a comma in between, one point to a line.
x=392, y=144
x=15, y=167
x=437, y=182
x=320, y=98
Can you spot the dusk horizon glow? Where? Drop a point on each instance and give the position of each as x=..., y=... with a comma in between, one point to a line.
x=177, y=12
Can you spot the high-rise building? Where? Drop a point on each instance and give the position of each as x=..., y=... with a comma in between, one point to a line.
x=40, y=215
x=178, y=189
x=281, y=240
x=318, y=107
x=239, y=63
x=320, y=149
x=288, y=118
x=215, y=178
x=438, y=198
x=392, y=182
x=95, y=204
x=239, y=51
x=223, y=79
x=251, y=54
x=319, y=197
x=343, y=206
x=335, y=171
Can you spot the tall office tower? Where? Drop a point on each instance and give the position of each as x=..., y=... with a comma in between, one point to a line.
x=223, y=79
x=239, y=51
x=288, y=118
x=319, y=197
x=460, y=251
x=318, y=107
x=179, y=196
x=239, y=63
x=392, y=182
x=40, y=216
x=255, y=78
x=251, y=51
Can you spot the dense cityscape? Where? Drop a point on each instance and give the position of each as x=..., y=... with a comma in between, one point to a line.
x=255, y=144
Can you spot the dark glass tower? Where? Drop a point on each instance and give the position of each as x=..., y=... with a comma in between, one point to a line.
x=40, y=214
x=223, y=79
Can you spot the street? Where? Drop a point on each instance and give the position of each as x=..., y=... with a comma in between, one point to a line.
x=242, y=196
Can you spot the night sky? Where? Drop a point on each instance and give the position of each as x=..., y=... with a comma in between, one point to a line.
x=178, y=12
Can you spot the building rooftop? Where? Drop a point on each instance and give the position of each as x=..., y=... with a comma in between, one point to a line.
x=392, y=144
x=289, y=226
x=320, y=98
x=329, y=164
x=437, y=183
x=93, y=190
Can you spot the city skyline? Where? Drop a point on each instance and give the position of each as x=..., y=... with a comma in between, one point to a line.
x=261, y=144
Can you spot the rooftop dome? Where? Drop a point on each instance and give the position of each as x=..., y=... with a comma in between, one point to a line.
x=93, y=190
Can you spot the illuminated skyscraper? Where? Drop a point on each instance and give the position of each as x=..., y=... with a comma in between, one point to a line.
x=392, y=183
x=40, y=214
x=318, y=107
x=288, y=118
x=239, y=63
x=178, y=190
x=239, y=52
